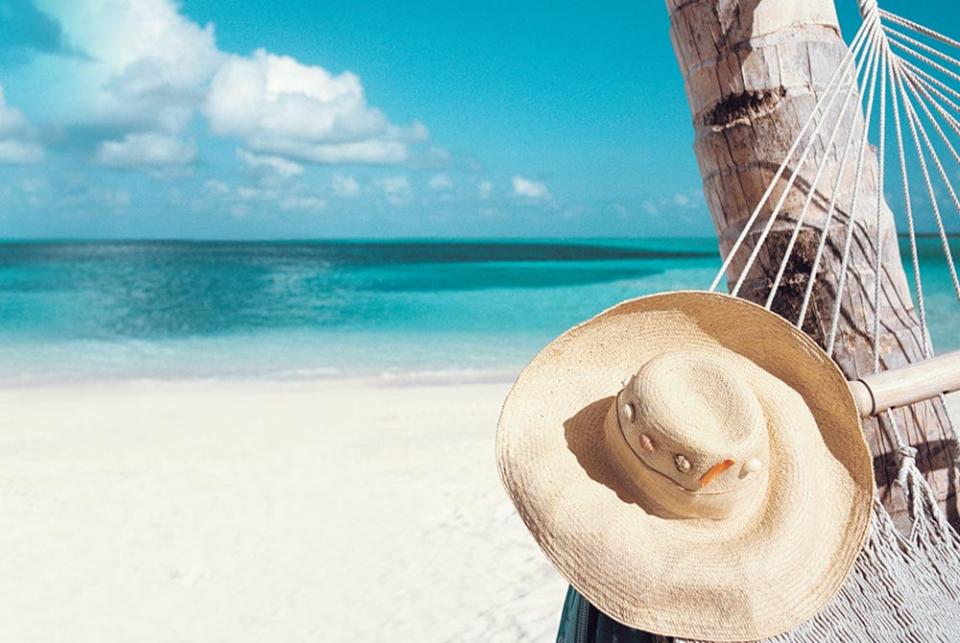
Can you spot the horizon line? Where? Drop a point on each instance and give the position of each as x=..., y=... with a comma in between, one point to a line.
x=399, y=239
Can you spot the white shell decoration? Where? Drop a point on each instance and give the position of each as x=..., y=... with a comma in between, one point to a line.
x=628, y=411
x=752, y=465
x=681, y=462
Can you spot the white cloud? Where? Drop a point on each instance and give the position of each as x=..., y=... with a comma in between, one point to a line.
x=26, y=191
x=14, y=152
x=344, y=186
x=361, y=152
x=145, y=72
x=247, y=193
x=485, y=189
x=396, y=189
x=17, y=146
x=149, y=149
x=146, y=66
x=244, y=197
x=295, y=202
x=678, y=203
x=530, y=189
x=149, y=69
x=116, y=199
x=275, y=165
x=214, y=186
x=441, y=183
x=436, y=156
x=281, y=106
x=65, y=193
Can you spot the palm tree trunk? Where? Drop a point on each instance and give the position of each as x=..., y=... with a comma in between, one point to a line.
x=753, y=70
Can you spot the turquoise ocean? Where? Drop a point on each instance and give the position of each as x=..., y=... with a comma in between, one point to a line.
x=397, y=311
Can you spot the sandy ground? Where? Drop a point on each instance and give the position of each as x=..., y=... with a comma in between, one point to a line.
x=262, y=512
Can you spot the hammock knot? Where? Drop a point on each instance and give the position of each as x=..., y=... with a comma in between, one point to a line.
x=867, y=7
x=906, y=452
x=908, y=463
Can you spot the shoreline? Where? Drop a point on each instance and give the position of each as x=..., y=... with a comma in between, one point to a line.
x=400, y=379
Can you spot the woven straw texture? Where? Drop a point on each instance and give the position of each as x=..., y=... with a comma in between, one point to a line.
x=755, y=574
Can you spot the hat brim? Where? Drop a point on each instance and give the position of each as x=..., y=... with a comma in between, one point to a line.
x=742, y=578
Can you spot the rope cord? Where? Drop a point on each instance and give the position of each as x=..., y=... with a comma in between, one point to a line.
x=919, y=89
x=946, y=181
x=913, y=26
x=788, y=252
x=908, y=212
x=929, y=61
x=878, y=56
x=873, y=56
x=851, y=220
x=831, y=208
x=785, y=193
x=923, y=46
x=878, y=264
x=837, y=75
x=915, y=125
x=932, y=83
x=906, y=586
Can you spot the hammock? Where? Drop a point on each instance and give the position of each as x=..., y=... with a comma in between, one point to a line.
x=904, y=587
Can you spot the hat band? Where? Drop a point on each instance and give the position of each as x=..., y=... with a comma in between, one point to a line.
x=661, y=495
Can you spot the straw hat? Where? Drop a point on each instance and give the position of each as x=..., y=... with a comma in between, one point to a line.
x=692, y=464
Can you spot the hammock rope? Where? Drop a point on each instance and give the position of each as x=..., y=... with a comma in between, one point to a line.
x=842, y=69
x=903, y=587
x=857, y=184
x=915, y=125
x=831, y=210
x=871, y=57
x=812, y=191
x=878, y=254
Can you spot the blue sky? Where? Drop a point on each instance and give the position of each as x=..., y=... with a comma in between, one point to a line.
x=246, y=119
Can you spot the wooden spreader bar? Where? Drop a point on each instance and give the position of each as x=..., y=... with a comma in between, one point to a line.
x=923, y=380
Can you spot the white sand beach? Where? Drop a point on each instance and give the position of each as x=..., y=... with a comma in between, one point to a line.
x=262, y=512
x=330, y=511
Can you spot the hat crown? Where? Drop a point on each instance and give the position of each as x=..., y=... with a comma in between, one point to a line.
x=694, y=420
